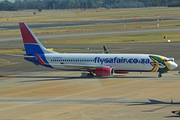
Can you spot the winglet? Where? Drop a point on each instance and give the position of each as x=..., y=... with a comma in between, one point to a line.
x=40, y=60
x=105, y=50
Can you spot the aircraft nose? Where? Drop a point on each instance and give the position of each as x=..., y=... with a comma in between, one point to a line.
x=173, y=65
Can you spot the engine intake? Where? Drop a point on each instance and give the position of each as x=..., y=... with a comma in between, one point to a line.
x=104, y=71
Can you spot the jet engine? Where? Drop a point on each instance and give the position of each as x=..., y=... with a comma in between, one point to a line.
x=104, y=71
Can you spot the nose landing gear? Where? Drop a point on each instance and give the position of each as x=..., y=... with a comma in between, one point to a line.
x=159, y=75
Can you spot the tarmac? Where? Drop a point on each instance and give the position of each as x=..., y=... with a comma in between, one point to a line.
x=61, y=95
x=58, y=36
x=30, y=92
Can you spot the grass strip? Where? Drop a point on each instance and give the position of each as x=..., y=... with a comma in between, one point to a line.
x=138, y=38
x=87, y=15
x=94, y=28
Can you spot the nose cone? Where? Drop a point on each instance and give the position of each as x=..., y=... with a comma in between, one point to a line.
x=173, y=65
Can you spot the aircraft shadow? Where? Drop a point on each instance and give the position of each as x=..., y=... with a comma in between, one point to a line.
x=48, y=78
x=115, y=76
x=56, y=78
x=175, y=116
x=123, y=76
x=151, y=102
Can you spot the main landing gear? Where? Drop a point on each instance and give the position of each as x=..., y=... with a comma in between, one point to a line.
x=90, y=75
x=159, y=75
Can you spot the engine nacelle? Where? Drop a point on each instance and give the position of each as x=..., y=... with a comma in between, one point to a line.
x=104, y=71
x=122, y=72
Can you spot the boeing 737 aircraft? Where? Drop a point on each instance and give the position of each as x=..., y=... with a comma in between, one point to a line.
x=99, y=64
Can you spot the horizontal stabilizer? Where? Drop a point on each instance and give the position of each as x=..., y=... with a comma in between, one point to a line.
x=21, y=56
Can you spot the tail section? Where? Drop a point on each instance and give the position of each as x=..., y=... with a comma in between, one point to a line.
x=31, y=43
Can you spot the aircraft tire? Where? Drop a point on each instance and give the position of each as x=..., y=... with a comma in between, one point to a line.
x=90, y=75
x=159, y=75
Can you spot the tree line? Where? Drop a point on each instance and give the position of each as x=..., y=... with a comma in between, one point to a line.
x=83, y=4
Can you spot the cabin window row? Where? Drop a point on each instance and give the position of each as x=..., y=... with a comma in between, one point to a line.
x=66, y=60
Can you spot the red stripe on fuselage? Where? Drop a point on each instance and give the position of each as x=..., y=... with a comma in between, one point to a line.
x=26, y=34
x=40, y=60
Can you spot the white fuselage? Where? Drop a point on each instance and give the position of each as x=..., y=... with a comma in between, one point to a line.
x=122, y=62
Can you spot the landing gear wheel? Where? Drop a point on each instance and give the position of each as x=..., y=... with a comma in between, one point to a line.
x=159, y=75
x=90, y=75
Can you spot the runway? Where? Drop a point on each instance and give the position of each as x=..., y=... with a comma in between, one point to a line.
x=91, y=34
x=76, y=23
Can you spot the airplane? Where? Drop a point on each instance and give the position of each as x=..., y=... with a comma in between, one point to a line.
x=99, y=64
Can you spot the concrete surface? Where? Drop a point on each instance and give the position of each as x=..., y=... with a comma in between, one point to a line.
x=59, y=95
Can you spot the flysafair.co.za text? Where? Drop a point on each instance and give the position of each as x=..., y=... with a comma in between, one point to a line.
x=121, y=60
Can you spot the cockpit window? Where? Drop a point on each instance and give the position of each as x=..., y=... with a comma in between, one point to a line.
x=164, y=60
x=171, y=60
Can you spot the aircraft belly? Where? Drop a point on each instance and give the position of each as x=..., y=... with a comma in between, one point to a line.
x=64, y=67
x=134, y=67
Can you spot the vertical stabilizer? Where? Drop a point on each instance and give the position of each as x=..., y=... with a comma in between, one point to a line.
x=31, y=43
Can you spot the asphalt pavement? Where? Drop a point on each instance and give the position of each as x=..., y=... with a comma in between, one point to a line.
x=75, y=23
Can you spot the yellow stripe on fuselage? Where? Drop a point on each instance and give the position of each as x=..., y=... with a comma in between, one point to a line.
x=154, y=64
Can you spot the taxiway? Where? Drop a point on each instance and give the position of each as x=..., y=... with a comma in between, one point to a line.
x=54, y=95
x=30, y=92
